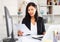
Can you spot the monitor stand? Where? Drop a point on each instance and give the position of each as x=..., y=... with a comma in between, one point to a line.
x=12, y=39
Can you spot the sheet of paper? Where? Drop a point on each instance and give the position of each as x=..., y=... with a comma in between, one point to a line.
x=23, y=28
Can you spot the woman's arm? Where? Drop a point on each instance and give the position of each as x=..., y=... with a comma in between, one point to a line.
x=43, y=27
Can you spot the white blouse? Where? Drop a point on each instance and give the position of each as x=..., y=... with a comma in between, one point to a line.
x=34, y=29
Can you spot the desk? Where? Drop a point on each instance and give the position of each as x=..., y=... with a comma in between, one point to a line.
x=49, y=40
x=27, y=39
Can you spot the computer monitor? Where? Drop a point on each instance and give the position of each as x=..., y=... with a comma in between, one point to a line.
x=9, y=27
x=8, y=19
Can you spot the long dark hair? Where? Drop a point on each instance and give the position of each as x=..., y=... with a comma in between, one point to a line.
x=27, y=16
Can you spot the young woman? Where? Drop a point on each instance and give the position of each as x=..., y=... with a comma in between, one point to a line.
x=34, y=23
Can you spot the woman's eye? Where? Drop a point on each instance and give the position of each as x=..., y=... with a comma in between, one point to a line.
x=31, y=9
x=28, y=10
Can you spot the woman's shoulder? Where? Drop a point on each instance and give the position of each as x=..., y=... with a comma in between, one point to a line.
x=24, y=20
x=40, y=18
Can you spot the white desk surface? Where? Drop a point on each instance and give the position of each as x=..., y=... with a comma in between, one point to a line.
x=27, y=39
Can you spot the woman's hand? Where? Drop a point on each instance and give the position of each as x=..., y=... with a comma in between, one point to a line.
x=44, y=33
x=20, y=33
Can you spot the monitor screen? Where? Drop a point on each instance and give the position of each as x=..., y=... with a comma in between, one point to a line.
x=8, y=19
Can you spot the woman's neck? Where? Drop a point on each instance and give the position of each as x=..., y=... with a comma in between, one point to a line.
x=33, y=20
x=33, y=17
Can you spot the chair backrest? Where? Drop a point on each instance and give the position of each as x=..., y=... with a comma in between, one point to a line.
x=49, y=33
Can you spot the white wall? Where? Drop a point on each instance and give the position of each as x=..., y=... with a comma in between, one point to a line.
x=2, y=26
x=11, y=5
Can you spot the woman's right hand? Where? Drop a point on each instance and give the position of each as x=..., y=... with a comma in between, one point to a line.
x=20, y=33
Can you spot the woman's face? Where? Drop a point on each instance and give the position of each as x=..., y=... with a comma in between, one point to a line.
x=31, y=11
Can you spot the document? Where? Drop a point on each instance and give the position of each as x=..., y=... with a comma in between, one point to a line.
x=24, y=29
